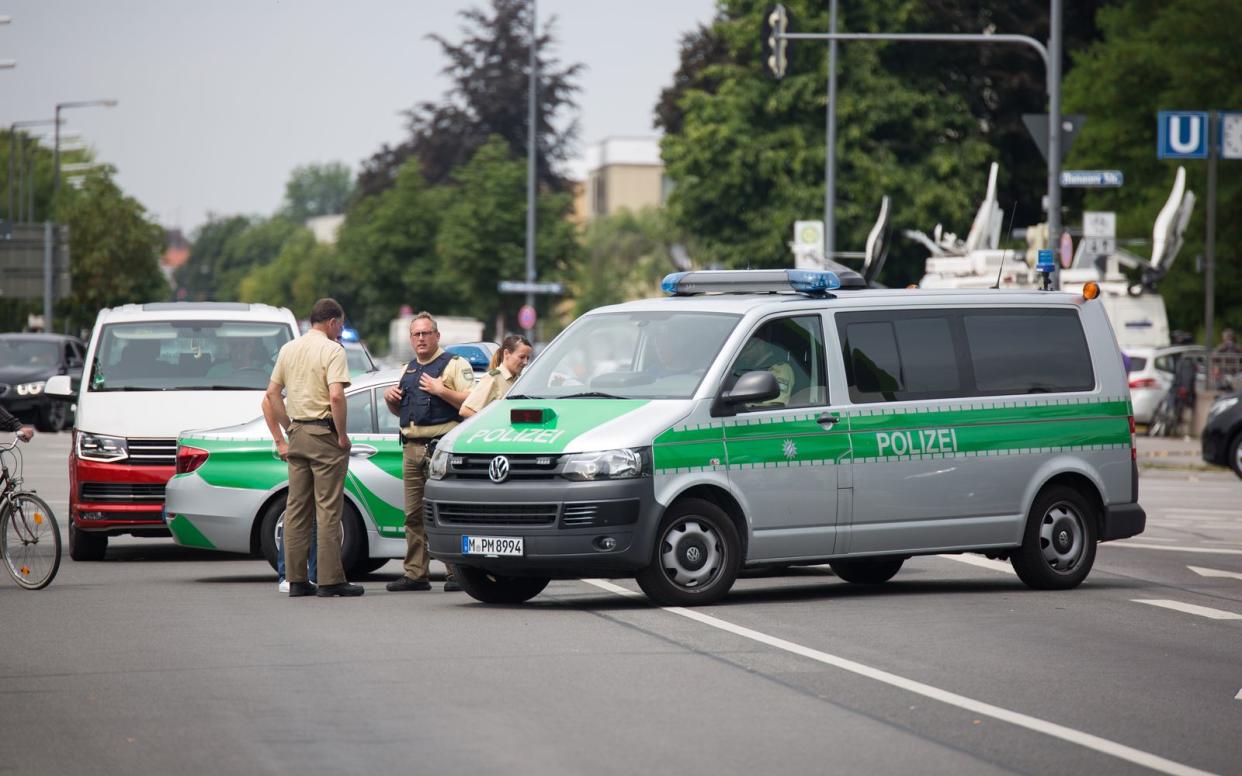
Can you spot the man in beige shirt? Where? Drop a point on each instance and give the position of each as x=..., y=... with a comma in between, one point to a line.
x=313, y=374
x=427, y=400
x=507, y=365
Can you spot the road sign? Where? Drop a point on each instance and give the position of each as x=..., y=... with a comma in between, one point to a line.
x=1037, y=126
x=21, y=263
x=1092, y=179
x=1067, y=250
x=526, y=317
x=1231, y=136
x=1099, y=231
x=1182, y=134
x=520, y=287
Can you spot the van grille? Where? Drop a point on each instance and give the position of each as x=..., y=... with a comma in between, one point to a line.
x=121, y=492
x=152, y=452
x=596, y=514
x=447, y=513
x=521, y=467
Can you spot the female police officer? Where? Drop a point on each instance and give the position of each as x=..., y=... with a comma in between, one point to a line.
x=507, y=364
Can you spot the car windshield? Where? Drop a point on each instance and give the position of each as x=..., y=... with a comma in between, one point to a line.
x=186, y=355
x=628, y=355
x=358, y=361
x=16, y=351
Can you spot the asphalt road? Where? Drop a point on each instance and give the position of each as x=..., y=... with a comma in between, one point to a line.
x=163, y=660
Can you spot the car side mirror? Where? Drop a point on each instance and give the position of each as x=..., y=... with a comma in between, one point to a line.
x=751, y=387
x=60, y=387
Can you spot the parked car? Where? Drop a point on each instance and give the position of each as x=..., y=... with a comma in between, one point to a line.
x=27, y=361
x=1222, y=434
x=1151, y=375
x=479, y=354
x=358, y=358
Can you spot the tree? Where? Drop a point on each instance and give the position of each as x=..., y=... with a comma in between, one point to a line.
x=317, y=190
x=1156, y=56
x=226, y=250
x=625, y=255
x=483, y=234
x=747, y=157
x=303, y=272
x=489, y=71
x=197, y=277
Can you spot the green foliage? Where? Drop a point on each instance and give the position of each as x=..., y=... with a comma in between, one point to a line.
x=624, y=257
x=303, y=272
x=228, y=248
x=317, y=190
x=1168, y=55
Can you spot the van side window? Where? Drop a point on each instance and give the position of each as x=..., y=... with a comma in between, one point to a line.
x=1028, y=351
x=896, y=357
x=358, y=418
x=792, y=349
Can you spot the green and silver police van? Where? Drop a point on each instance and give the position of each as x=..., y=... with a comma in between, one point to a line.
x=769, y=417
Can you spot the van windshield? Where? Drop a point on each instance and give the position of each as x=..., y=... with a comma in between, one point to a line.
x=630, y=355
x=186, y=356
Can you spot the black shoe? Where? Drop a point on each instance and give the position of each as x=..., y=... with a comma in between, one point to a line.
x=451, y=586
x=299, y=589
x=343, y=589
x=404, y=583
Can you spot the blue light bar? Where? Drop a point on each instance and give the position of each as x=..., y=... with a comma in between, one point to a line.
x=750, y=281
x=349, y=334
x=1045, y=262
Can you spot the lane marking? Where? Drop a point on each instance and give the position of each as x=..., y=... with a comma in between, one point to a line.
x=1238, y=697
x=1202, y=611
x=985, y=563
x=1215, y=573
x=1087, y=740
x=1204, y=550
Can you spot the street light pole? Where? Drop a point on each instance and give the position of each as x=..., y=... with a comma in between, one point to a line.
x=1054, y=135
x=532, y=148
x=14, y=165
x=830, y=164
x=56, y=143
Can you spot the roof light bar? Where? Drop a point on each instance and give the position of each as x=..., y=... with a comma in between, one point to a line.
x=750, y=281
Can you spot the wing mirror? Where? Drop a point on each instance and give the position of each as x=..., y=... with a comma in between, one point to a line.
x=750, y=388
x=60, y=387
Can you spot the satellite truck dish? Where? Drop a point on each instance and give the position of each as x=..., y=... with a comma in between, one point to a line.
x=1169, y=231
x=985, y=231
x=876, y=250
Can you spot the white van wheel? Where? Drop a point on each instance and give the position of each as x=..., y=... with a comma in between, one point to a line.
x=1058, y=546
x=697, y=555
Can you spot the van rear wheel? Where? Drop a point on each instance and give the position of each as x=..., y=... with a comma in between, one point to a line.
x=495, y=588
x=697, y=556
x=867, y=571
x=1058, y=546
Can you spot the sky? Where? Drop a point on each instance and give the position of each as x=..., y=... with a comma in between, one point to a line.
x=218, y=101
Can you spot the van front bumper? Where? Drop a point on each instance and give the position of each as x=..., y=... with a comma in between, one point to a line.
x=564, y=525
x=1122, y=521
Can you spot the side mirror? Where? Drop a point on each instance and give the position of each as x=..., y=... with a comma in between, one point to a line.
x=60, y=387
x=751, y=387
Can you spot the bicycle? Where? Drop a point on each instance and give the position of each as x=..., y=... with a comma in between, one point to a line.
x=29, y=535
x=1166, y=419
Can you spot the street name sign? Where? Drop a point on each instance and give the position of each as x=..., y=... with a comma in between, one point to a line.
x=521, y=287
x=1094, y=179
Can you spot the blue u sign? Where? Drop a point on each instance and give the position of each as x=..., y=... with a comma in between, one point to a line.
x=1183, y=134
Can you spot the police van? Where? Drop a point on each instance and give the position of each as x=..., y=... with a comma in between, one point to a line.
x=795, y=417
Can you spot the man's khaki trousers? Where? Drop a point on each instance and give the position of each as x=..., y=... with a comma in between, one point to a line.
x=416, y=558
x=317, y=467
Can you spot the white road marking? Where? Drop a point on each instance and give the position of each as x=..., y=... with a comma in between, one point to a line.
x=1238, y=697
x=987, y=563
x=1215, y=573
x=1205, y=550
x=1202, y=611
x=1087, y=740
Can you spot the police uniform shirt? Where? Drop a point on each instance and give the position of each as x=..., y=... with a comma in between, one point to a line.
x=457, y=376
x=494, y=385
x=305, y=368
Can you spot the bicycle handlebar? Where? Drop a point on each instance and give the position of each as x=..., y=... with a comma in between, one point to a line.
x=13, y=444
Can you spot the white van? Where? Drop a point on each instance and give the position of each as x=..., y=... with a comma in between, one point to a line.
x=766, y=417
x=152, y=371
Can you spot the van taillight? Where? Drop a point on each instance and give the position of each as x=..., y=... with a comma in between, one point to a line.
x=190, y=458
x=1143, y=382
x=1133, y=449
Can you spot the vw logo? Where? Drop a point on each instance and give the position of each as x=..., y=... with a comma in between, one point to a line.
x=693, y=554
x=498, y=469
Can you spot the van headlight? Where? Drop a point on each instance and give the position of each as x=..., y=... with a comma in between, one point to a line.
x=30, y=389
x=605, y=465
x=96, y=447
x=1221, y=405
x=438, y=467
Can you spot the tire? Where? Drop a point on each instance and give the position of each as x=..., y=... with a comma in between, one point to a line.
x=697, y=556
x=30, y=542
x=1059, y=542
x=353, y=539
x=366, y=566
x=86, y=546
x=1160, y=417
x=867, y=571
x=53, y=417
x=496, y=589
x=1235, y=454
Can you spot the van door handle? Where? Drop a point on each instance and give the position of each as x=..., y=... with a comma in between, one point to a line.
x=362, y=451
x=828, y=419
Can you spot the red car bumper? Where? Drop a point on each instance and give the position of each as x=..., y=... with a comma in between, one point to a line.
x=117, y=498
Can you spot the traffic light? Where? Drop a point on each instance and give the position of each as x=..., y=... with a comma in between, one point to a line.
x=775, y=47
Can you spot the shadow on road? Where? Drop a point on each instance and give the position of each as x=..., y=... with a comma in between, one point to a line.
x=165, y=553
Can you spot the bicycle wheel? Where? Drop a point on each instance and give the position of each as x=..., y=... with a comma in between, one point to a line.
x=30, y=541
x=1159, y=422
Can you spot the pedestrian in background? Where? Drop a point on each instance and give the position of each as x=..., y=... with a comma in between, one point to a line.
x=427, y=400
x=313, y=374
x=507, y=364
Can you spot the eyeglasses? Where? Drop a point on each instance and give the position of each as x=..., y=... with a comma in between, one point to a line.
x=421, y=334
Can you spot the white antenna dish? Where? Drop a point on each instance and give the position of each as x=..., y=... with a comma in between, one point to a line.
x=985, y=231
x=1169, y=231
x=876, y=250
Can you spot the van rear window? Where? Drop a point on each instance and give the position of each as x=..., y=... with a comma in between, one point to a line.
x=907, y=355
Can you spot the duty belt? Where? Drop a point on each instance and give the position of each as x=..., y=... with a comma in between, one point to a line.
x=325, y=422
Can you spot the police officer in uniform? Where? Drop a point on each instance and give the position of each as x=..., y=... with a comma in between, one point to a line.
x=427, y=400
x=313, y=374
x=507, y=364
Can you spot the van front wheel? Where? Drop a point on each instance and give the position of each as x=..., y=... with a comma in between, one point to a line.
x=1058, y=546
x=697, y=556
x=867, y=571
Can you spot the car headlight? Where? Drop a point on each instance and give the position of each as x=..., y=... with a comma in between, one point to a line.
x=605, y=465
x=96, y=447
x=30, y=389
x=439, y=464
x=1221, y=405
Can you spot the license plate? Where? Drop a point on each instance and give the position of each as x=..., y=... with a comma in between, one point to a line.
x=491, y=545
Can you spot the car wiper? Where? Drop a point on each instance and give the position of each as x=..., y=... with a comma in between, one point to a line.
x=522, y=396
x=129, y=388
x=592, y=395
x=221, y=388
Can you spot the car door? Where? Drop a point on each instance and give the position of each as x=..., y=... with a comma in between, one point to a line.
x=375, y=461
x=786, y=456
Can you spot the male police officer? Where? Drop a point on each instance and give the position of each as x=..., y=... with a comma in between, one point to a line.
x=313, y=373
x=427, y=400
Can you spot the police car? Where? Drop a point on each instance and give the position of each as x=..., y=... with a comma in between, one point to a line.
x=795, y=417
